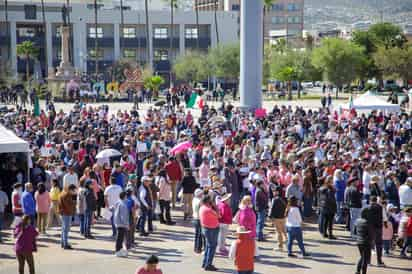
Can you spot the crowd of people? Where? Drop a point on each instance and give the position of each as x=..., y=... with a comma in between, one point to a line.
x=279, y=169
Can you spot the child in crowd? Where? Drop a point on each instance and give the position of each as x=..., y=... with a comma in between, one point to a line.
x=150, y=267
x=387, y=236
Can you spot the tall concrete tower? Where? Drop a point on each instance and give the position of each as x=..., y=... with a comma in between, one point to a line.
x=251, y=53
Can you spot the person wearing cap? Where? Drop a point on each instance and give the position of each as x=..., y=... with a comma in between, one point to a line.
x=199, y=239
x=225, y=219
x=277, y=214
x=242, y=251
x=150, y=267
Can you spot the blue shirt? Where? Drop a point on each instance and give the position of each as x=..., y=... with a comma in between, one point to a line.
x=120, y=179
x=28, y=204
x=130, y=203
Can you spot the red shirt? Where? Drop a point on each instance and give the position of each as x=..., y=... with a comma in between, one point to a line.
x=173, y=171
x=409, y=227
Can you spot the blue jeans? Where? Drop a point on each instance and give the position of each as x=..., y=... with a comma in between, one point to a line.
x=146, y=215
x=198, y=236
x=354, y=215
x=81, y=224
x=66, y=223
x=88, y=219
x=295, y=233
x=407, y=242
x=260, y=224
x=211, y=235
x=339, y=212
x=307, y=206
x=387, y=246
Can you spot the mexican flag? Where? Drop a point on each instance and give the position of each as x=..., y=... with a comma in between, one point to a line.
x=195, y=101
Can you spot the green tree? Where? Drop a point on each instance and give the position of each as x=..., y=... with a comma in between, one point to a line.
x=387, y=35
x=153, y=83
x=192, y=67
x=225, y=61
x=395, y=62
x=27, y=50
x=340, y=61
x=293, y=66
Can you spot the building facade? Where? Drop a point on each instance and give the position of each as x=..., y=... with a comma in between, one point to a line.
x=25, y=22
x=284, y=19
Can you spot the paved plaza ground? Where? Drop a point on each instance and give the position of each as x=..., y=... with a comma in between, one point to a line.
x=174, y=245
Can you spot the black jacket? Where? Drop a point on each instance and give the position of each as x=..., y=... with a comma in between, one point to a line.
x=189, y=184
x=91, y=202
x=375, y=216
x=353, y=197
x=261, y=199
x=278, y=208
x=362, y=232
x=327, y=201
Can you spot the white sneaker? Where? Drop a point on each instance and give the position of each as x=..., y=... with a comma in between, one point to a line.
x=118, y=254
x=124, y=252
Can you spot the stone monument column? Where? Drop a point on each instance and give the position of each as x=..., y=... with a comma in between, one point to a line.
x=251, y=53
x=65, y=69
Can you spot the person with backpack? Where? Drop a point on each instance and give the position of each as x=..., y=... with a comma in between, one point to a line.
x=277, y=215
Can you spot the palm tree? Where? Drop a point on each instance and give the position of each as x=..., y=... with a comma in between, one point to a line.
x=216, y=27
x=27, y=50
x=267, y=5
x=121, y=25
x=96, y=46
x=44, y=27
x=173, y=5
x=146, y=9
x=197, y=25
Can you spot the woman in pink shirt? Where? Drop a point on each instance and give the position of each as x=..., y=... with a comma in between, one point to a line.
x=246, y=217
x=209, y=220
x=42, y=198
x=150, y=267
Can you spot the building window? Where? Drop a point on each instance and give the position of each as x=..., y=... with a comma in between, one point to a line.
x=92, y=32
x=294, y=20
x=235, y=7
x=278, y=7
x=160, y=33
x=129, y=32
x=93, y=55
x=129, y=53
x=293, y=7
x=27, y=32
x=191, y=33
x=278, y=20
x=161, y=55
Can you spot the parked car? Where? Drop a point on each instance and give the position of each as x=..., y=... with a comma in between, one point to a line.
x=307, y=85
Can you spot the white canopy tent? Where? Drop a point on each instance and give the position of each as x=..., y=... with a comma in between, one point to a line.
x=369, y=102
x=10, y=143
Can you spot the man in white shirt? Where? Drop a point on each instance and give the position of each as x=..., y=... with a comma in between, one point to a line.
x=405, y=193
x=111, y=197
x=70, y=178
